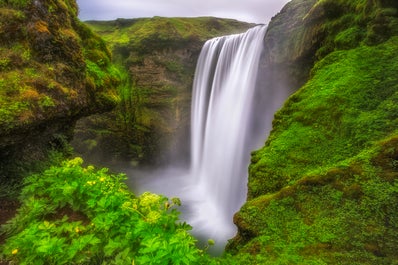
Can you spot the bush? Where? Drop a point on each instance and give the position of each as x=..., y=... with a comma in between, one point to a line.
x=76, y=215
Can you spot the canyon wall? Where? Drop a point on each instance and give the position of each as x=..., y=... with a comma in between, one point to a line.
x=157, y=56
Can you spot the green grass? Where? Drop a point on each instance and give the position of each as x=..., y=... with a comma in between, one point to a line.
x=350, y=102
x=324, y=187
x=147, y=33
x=340, y=222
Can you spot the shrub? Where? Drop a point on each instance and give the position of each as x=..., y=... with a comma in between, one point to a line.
x=76, y=215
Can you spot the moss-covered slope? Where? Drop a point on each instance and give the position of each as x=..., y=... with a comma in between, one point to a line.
x=157, y=57
x=324, y=189
x=53, y=70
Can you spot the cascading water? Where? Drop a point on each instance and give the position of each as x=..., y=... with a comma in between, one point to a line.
x=225, y=128
x=222, y=106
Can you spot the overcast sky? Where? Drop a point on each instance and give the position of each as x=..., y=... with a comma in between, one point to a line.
x=257, y=11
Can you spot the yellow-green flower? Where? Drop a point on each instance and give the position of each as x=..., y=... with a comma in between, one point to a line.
x=77, y=161
x=148, y=199
x=14, y=251
x=153, y=217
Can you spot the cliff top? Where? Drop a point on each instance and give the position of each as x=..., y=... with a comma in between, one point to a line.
x=144, y=34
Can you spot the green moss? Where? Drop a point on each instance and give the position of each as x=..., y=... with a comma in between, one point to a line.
x=345, y=216
x=18, y=3
x=349, y=23
x=45, y=82
x=349, y=103
x=349, y=38
x=43, y=65
x=323, y=188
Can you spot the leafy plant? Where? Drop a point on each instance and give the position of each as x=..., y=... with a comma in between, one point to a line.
x=76, y=215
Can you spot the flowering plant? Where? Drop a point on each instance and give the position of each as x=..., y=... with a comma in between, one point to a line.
x=76, y=215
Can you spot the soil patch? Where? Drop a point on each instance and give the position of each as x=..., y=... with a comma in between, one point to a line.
x=8, y=209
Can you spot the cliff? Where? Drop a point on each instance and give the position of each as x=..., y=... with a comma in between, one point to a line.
x=157, y=57
x=53, y=70
x=323, y=189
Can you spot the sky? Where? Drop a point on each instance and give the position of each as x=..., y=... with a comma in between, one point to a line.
x=254, y=11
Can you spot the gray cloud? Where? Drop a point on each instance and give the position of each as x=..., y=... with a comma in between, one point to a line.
x=257, y=11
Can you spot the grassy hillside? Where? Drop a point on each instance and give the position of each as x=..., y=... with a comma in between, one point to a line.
x=161, y=32
x=323, y=189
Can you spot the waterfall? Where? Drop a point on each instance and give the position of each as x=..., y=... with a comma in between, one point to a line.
x=232, y=110
x=222, y=111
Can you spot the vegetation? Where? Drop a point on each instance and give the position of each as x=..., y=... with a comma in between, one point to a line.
x=344, y=216
x=323, y=189
x=35, y=60
x=53, y=70
x=79, y=215
x=347, y=105
x=145, y=35
x=351, y=23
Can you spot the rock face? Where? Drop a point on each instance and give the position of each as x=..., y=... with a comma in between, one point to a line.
x=290, y=44
x=53, y=70
x=323, y=189
x=158, y=58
